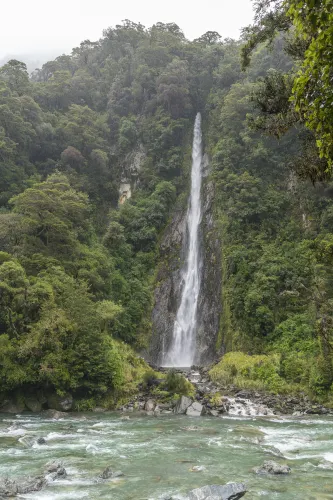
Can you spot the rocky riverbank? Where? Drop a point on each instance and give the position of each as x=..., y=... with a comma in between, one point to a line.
x=207, y=398
x=211, y=399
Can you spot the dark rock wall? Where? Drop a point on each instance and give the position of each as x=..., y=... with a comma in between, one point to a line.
x=209, y=304
x=169, y=282
x=168, y=288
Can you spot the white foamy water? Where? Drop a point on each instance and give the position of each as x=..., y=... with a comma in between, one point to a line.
x=247, y=408
x=328, y=457
x=182, y=349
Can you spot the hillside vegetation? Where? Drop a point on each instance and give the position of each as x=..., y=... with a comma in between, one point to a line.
x=77, y=268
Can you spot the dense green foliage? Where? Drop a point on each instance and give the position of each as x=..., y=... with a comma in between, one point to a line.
x=255, y=372
x=304, y=94
x=77, y=268
x=275, y=231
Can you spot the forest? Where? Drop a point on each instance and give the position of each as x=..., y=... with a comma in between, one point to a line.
x=94, y=158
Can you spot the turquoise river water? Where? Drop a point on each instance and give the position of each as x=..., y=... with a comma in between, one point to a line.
x=157, y=455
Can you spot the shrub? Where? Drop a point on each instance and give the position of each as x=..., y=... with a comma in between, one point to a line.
x=252, y=372
x=176, y=383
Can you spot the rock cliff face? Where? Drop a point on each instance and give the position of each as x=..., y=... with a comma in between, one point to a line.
x=168, y=284
x=130, y=173
x=209, y=304
x=169, y=280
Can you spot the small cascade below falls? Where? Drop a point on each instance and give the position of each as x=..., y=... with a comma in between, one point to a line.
x=182, y=348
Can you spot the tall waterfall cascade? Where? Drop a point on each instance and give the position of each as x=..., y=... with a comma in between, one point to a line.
x=181, y=352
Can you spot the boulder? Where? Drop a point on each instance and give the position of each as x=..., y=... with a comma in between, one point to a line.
x=27, y=441
x=31, y=484
x=60, y=403
x=108, y=473
x=270, y=467
x=150, y=405
x=56, y=470
x=60, y=473
x=213, y=413
x=231, y=491
x=182, y=404
x=195, y=410
x=33, y=404
x=12, y=406
x=54, y=414
x=41, y=440
x=10, y=488
x=53, y=466
x=164, y=406
x=198, y=468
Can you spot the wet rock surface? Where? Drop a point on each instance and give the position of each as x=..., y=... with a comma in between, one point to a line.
x=10, y=488
x=209, y=301
x=109, y=473
x=56, y=470
x=183, y=404
x=270, y=467
x=55, y=414
x=169, y=280
x=195, y=410
x=231, y=491
x=169, y=284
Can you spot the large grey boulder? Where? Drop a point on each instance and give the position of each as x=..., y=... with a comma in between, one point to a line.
x=231, y=491
x=33, y=404
x=27, y=441
x=8, y=406
x=213, y=413
x=31, y=484
x=150, y=405
x=54, y=414
x=271, y=467
x=60, y=403
x=10, y=488
x=182, y=404
x=56, y=470
x=195, y=410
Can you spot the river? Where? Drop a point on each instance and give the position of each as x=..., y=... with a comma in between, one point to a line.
x=157, y=455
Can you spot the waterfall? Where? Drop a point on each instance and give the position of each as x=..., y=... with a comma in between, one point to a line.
x=182, y=348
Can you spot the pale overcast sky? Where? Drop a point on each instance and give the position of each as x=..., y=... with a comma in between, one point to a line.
x=35, y=27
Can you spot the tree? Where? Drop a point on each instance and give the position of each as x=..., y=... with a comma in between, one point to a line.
x=312, y=91
x=310, y=26
x=15, y=74
x=83, y=128
x=52, y=215
x=209, y=38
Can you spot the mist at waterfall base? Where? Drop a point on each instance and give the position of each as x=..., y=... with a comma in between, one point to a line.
x=181, y=351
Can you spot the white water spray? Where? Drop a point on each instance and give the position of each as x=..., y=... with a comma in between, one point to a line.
x=182, y=348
